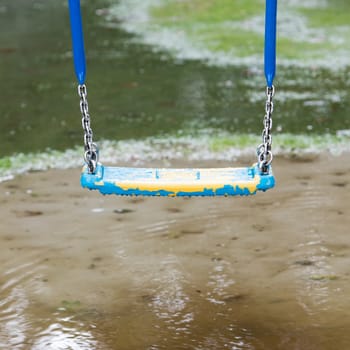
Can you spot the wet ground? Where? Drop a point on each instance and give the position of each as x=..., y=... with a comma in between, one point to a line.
x=81, y=271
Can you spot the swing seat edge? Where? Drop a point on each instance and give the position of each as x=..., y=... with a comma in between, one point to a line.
x=171, y=182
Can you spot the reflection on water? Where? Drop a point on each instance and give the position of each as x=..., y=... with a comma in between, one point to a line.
x=169, y=301
x=314, y=293
x=64, y=335
x=175, y=274
x=20, y=326
x=109, y=273
x=12, y=319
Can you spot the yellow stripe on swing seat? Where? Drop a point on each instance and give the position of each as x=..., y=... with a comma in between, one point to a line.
x=177, y=182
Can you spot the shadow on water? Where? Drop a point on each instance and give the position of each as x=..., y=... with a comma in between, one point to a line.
x=135, y=92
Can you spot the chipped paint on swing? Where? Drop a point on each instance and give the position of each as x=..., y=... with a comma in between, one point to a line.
x=177, y=182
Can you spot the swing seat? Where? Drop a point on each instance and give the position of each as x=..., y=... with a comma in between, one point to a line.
x=177, y=182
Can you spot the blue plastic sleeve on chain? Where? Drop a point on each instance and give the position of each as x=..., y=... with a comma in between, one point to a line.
x=77, y=40
x=270, y=41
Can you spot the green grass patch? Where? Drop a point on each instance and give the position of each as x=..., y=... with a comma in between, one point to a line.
x=71, y=305
x=212, y=24
x=5, y=163
x=332, y=16
x=245, y=43
x=206, y=11
x=218, y=144
x=290, y=49
x=324, y=277
x=284, y=142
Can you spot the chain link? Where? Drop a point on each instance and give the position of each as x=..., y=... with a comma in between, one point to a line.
x=264, y=150
x=91, y=155
x=90, y=148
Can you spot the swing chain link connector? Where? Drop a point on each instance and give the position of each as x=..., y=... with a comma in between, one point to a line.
x=91, y=149
x=264, y=150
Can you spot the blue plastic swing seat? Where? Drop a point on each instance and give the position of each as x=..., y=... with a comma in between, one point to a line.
x=177, y=182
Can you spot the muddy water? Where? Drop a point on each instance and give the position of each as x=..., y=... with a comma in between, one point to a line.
x=81, y=271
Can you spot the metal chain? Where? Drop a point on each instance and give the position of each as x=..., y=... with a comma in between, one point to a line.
x=91, y=149
x=264, y=150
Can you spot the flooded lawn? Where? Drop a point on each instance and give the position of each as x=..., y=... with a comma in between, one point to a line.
x=83, y=271
x=137, y=92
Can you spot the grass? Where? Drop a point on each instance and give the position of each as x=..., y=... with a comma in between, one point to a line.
x=5, y=163
x=245, y=43
x=214, y=25
x=206, y=11
x=337, y=15
x=218, y=144
x=214, y=143
x=284, y=142
x=207, y=22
